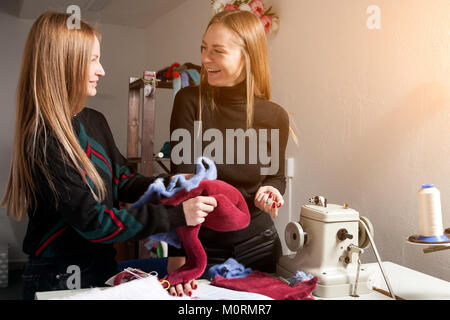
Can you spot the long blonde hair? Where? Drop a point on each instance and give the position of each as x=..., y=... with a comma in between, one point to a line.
x=52, y=89
x=251, y=38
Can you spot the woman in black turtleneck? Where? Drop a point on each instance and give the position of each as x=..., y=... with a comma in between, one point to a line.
x=234, y=63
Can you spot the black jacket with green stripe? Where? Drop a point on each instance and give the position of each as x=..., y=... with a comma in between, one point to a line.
x=72, y=222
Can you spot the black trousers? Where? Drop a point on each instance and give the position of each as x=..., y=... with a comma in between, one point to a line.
x=45, y=274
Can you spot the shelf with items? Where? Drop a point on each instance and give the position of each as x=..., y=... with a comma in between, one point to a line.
x=140, y=138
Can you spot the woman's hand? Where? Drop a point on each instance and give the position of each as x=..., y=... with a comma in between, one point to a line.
x=186, y=287
x=196, y=209
x=173, y=264
x=269, y=199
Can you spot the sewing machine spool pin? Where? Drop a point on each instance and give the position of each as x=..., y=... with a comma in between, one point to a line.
x=319, y=201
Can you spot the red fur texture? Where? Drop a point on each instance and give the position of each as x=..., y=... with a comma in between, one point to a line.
x=231, y=214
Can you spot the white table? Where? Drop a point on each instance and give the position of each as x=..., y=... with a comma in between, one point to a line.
x=406, y=283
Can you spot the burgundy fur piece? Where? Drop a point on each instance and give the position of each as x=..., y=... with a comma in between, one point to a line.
x=264, y=283
x=231, y=214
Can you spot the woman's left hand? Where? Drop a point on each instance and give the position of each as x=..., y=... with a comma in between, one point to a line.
x=269, y=199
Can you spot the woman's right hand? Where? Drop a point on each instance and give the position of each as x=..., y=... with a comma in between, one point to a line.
x=196, y=209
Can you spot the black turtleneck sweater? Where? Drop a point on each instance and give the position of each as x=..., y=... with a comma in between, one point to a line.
x=231, y=113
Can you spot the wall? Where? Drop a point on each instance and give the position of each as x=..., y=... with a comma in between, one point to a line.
x=11, y=232
x=370, y=107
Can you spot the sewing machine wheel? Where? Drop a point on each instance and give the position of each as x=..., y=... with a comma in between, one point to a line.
x=294, y=236
x=363, y=238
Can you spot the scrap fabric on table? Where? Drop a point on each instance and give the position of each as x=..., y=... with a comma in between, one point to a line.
x=264, y=283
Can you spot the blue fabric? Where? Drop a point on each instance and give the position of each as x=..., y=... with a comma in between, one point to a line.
x=194, y=75
x=184, y=80
x=170, y=237
x=229, y=269
x=157, y=190
x=176, y=86
x=205, y=170
x=300, y=276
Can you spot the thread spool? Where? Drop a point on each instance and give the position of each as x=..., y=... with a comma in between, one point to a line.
x=430, y=214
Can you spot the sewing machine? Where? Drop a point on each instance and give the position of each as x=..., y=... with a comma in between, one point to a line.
x=329, y=240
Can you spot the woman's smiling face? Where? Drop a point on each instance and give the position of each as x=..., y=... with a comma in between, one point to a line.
x=222, y=57
x=95, y=69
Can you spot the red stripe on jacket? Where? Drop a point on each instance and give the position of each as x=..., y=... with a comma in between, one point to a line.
x=117, y=222
x=88, y=153
x=111, y=213
x=46, y=243
x=100, y=156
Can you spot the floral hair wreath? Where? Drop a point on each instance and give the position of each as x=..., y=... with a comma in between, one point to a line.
x=269, y=19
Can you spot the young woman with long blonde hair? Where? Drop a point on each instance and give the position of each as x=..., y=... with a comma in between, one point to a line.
x=234, y=93
x=67, y=174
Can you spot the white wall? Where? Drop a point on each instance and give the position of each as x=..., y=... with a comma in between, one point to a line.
x=371, y=107
x=13, y=34
x=372, y=111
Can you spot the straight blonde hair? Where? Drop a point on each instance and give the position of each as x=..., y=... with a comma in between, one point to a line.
x=251, y=37
x=52, y=89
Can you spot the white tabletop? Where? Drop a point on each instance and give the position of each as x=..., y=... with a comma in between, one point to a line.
x=406, y=283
